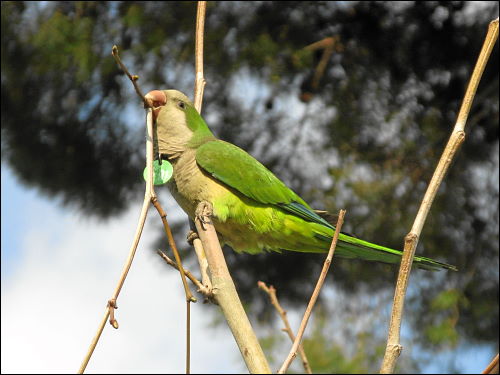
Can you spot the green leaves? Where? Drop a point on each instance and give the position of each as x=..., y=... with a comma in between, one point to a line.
x=446, y=306
x=448, y=300
x=65, y=42
x=443, y=333
x=134, y=16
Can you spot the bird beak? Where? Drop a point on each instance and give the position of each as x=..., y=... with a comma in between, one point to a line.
x=157, y=99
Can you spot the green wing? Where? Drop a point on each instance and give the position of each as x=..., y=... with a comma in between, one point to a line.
x=237, y=169
x=240, y=171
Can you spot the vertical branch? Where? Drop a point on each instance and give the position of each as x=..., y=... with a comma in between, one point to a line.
x=394, y=348
x=223, y=287
x=314, y=297
x=203, y=263
x=188, y=337
x=199, y=83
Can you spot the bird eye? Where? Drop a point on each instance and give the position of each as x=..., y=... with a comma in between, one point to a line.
x=182, y=105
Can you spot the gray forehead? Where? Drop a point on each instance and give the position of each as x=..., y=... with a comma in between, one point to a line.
x=174, y=94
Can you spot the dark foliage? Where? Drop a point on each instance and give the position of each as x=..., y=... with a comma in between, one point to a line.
x=367, y=140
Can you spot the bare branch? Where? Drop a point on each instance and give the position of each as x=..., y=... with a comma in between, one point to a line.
x=314, y=297
x=140, y=225
x=201, y=288
x=194, y=240
x=492, y=368
x=149, y=196
x=394, y=348
x=168, y=231
x=271, y=292
x=188, y=337
x=328, y=46
x=133, y=78
x=94, y=342
x=199, y=83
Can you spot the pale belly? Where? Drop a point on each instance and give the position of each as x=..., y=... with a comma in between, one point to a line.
x=190, y=185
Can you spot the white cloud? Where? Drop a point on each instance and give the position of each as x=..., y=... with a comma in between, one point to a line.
x=53, y=302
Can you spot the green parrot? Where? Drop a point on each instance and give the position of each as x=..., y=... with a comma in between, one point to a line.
x=253, y=210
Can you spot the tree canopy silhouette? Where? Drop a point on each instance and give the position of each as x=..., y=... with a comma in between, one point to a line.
x=366, y=136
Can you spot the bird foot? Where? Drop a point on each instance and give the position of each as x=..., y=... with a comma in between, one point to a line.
x=208, y=293
x=191, y=236
x=203, y=212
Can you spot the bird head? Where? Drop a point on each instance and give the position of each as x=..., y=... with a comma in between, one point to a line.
x=178, y=125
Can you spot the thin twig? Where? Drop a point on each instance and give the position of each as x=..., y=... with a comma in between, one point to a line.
x=394, y=348
x=482, y=60
x=202, y=261
x=199, y=85
x=492, y=368
x=328, y=46
x=198, y=90
x=271, y=292
x=314, y=297
x=152, y=193
x=94, y=342
x=149, y=196
x=201, y=288
x=168, y=231
x=142, y=219
x=134, y=78
x=188, y=337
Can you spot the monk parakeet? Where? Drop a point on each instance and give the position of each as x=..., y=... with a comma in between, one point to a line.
x=253, y=210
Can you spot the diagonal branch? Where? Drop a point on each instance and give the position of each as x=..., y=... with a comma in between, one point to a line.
x=492, y=368
x=394, y=348
x=201, y=288
x=314, y=297
x=168, y=231
x=328, y=46
x=140, y=225
x=226, y=296
x=149, y=197
x=134, y=78
x=271, y=292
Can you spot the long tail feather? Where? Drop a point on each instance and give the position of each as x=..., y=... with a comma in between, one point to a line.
x=351, y=247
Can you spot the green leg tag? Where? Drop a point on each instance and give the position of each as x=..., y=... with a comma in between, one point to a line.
x=161, y=173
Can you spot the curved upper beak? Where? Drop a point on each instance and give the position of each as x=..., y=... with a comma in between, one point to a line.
x=157, y=99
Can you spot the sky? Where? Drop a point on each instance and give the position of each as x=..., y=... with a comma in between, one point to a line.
x=58, y=271
x=59, y=268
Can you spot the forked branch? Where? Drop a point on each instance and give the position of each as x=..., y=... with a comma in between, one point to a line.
x=271, y=292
